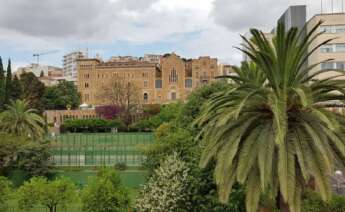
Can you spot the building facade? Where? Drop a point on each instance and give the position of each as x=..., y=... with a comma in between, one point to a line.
x=333, y=26
x=173, y=78
x=38, y=70
x=52, y=78
x=70, y=64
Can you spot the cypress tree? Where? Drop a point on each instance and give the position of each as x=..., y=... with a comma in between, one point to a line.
x=2, y=85
x=8, y=85
x=16, y=91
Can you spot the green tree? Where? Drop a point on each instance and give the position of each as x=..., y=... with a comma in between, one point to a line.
x=5, y=192
x=276, y=135
x=51, y=194
x=61, y=96
x=8, y=82
x=16, y=91
x=105, y=193
x=20, y=120
x=33, y=91
x=34, y=158
x=2, y=85
x=9, y=147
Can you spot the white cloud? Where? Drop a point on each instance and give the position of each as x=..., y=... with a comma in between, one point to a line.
x=59, y=24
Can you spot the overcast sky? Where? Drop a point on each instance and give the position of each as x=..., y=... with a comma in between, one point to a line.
x=134, y=27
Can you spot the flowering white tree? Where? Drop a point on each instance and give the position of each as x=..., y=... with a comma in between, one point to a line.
x=167, y=189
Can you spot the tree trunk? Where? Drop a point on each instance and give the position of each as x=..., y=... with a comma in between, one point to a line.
x=282, y=205
x=265, y=209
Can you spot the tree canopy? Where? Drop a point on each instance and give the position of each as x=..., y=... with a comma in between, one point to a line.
x=275, y=134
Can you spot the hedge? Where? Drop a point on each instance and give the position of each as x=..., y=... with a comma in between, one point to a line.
x=92, y=125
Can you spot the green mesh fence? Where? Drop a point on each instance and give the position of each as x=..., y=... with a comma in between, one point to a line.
x=100, y=149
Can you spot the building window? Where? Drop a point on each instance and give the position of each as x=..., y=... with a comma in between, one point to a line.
x=340, y=47
x=86, y=85
x=326, y=48
x=145, y=84
x=327, y=65
x=158, y=83
x=146, y=97
x=333, y=29
x=326, y=29
x=188, y=83
x=173, y=96
x=173, y=76
x=340, y=65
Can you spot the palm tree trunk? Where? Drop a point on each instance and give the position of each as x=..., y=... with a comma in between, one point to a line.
x=265, y=209
x=282, y=205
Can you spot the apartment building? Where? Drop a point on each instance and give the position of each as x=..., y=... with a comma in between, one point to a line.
x=170, y=80
x=70, y=64
x=333, y=26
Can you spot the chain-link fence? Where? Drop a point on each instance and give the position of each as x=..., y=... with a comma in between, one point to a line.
x=100, y=149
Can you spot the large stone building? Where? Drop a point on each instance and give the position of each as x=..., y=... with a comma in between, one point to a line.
x=173, y=78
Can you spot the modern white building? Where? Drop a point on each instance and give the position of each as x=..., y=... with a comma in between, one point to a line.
x=70, y=64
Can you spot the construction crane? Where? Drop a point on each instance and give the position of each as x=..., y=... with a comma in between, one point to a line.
x=37, y=55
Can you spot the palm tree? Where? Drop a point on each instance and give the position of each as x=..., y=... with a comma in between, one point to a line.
x=17, y=119
x=275, y=135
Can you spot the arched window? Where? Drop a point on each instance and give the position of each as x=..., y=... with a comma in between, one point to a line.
x=146, y=97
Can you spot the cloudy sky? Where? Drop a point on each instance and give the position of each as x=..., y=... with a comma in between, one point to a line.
x=135, y=27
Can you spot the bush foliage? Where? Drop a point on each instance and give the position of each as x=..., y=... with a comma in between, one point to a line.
x=105, y=193
x=92, y=125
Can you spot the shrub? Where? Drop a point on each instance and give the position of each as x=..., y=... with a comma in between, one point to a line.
x=167, y=189
x=312, y=202
x=108, y=112
x=121, y=166
x=105, y=193
x=5, y=192
x=91, y=125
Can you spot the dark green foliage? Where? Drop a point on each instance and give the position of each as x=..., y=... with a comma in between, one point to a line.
x=9, y=147
x=166, y=114
x=312, y=202
x=92, y=125
x=33, y=91
x=61, y=96
x=5, y=192
x=2, y=86
x=8, y=84
x=105, y=193
x=16, y=90
x=121, y=166
x=195, y=101
x=24, y=154
x=34, y=159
